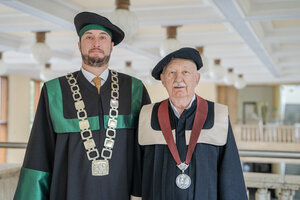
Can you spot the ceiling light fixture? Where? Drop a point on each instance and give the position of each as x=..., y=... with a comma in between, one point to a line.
x=40, y=51
x=205, y=68
x=230, y=77
x=217, y=72
x=128, y=68
x=47, y=73
x=240, y=83
x=125, y=19
x=171, y=43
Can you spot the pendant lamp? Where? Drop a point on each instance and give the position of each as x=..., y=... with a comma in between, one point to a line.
x=125, y=19
x=40, y=51
x=171, y=43
x=230, y=77
x=240, y=83
x=217, y=72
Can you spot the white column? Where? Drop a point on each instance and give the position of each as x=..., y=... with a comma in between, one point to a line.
x=278, y=168
x=262, y=194
x=9, y=176
x=18, y=115
x=248, y=193
x=286, y=194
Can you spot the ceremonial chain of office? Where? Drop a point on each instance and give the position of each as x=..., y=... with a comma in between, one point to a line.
x=100, y=167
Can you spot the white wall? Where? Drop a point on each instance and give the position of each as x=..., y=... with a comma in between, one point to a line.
x=18, y=115
x=156, y=92
x=207, y=91
x=255, y=94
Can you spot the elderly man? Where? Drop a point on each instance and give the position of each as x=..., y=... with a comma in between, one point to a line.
x=186, y=146
x=82, y=141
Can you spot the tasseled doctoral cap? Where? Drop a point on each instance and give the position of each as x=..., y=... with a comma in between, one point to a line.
x=85, y=21
x=184, y=53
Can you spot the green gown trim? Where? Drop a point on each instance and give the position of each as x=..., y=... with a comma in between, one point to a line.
x=63, y=125
x=33, y=185
x=60, y=123
x=131, y=120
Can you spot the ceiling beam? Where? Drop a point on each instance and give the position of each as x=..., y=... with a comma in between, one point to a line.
x=234, y=17
x=24, y=22
x=47, y=10
x=177, y=16
x=8, y=43
x=271, y=16
x=139, y=51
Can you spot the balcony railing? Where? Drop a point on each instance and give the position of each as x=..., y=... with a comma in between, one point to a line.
x=269, y=133
x=17, y=145
x=287, y=184
x=260, y=142
x=268, y=138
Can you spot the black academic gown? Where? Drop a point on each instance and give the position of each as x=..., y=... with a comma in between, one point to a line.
x=215, y=167
x=56, y=166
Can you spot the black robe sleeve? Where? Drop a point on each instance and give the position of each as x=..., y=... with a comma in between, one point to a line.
x=231, y=183
x=137, y=170
x=145, y=99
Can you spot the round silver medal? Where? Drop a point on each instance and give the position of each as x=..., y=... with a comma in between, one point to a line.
x=183, y=181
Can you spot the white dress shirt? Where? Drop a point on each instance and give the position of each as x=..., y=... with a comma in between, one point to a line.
x=175, y=110
x=89, y=76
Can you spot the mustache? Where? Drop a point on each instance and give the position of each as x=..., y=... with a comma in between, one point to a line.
x=97, y=50
x=179, y=84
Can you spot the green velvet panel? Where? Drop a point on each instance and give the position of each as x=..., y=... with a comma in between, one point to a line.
x=33, y=185
x=130, y=121
x=61, y=124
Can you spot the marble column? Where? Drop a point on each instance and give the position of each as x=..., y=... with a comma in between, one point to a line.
x=286, y=194
x=262, y=194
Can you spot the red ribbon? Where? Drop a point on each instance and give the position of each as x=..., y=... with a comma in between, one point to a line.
x=164, y=122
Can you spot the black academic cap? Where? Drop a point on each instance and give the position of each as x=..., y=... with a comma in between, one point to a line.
x=85, y=18
x=184, y=53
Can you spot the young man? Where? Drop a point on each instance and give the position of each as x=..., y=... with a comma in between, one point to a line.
x=187, y=150
x=83, y=137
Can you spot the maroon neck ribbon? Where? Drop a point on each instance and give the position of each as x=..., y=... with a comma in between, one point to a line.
x=164, y=122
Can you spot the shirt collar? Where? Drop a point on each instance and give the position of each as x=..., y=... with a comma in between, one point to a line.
x=89, y=76
x=175, y=110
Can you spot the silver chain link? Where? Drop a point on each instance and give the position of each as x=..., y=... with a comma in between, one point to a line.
x=84, y=125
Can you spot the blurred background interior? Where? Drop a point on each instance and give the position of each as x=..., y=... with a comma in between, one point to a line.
x=251, y=55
